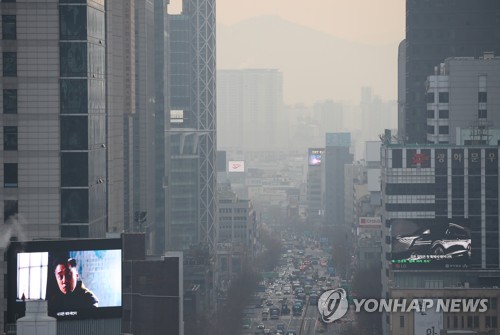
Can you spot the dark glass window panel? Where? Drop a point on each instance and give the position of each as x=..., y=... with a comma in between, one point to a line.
x=10, y=101
x=444, y=114
x=492, y=239
x=444, y=97
x=10, y=138
x=75, y=231
x=9, y=27
x=444, y=130
x=9, y=66
x=491, y=160
x=441, y=187
x=457, y=162
x=73, y=22
x=74, y=96
x=441, y=162
x=430, y=114
x=475, y=162
x=430, y=98
x=475, y=187
x=491, y=185
x=72, y=1
x=410, y=157
x=491, y=223
x=74, y=132
x=457, y=207
x=492, y=257
x=73, y=59
x=74, y=205
x=10, y=207
x=491, y=207
x=10, y=175
x=482, y=97
x=441, y=207
x=457, y=187
x=430, y=130
x=482, y=114
x=474, y=207
x=397, y=158
x=74, y=169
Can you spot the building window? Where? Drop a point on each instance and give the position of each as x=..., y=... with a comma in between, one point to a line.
x=401, y=321
x=430, y=98
x=10, y=101
x=8, y=27
x=32, y=274
x=10, y=175
x=482, y=114
x=444, y=97
x=9, y=64
x=493, y=303
x=430, y=130
x=10, y=208
x=482, y=97
x=430, y=114
x=10, y=138
x=444, y=130
x=444, y=114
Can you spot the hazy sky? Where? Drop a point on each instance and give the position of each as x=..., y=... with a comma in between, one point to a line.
x=373, y=22
x=367, y=21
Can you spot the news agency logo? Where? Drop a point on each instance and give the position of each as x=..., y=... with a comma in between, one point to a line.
x=333, y=305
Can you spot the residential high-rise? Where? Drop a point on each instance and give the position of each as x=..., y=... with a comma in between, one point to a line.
x=250, y=107
x=436, y=30
x=191, y=199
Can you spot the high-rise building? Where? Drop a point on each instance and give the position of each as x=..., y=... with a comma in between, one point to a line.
x=54, y=118
x=462, y=99
x=337, y=155
x=436, y=30
x=315, y=186
x=250, y=107
x=439, y=225
x=192, y=174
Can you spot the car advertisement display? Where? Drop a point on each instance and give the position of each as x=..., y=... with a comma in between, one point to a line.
x=430, y=244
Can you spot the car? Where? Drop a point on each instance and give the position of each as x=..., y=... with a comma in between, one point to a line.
x=269, y=303
x=450, y=239
x=267, y=331
x=261, y=326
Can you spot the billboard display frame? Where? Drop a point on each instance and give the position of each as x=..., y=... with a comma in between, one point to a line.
x=431, y=244
x=315, y=156
x=236, y=166
x=94, y=269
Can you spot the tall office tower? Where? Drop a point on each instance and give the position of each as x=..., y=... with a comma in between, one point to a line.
x=462, y=101
x=162, y=102
x=120, y=30
x=250, y=107
x=336, y=156
x=436, y=30
x=401, y=86
x=149, y=122
x=315, y=185
x=192, y=174
x=54, y=118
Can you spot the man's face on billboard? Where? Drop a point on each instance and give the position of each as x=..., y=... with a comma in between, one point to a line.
x=66, y=277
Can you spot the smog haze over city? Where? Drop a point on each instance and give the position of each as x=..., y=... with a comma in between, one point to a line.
x=250, y=167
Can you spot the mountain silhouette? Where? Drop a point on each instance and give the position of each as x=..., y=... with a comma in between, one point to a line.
x=316, y=66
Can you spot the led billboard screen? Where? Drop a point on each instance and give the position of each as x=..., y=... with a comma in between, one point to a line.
x=315, y=156
x=79, y=279
x=236, y=166
x=442, y=244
